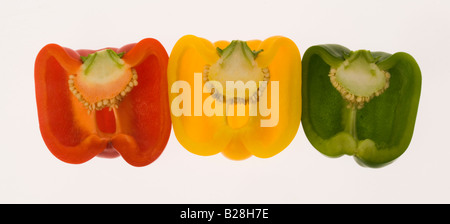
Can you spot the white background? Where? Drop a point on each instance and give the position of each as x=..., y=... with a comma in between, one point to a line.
x=29, y=173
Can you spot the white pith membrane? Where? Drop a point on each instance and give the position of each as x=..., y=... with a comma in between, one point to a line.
x=358, y=81
x=218, y=92
x=236, y=68
x=101, y=73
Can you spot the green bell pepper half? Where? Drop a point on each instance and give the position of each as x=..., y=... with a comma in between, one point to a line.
x=359, y=103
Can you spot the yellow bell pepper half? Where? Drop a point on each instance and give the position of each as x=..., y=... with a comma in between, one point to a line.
x=241, y=98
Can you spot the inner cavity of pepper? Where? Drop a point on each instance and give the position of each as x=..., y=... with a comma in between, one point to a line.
x=358, y=79
x=100, y=84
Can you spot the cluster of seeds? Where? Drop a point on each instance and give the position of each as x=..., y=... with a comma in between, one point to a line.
x=353, y=100
x=221, y=98
x=99, y=105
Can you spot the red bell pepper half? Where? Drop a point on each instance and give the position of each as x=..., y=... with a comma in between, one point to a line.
x=104, y=103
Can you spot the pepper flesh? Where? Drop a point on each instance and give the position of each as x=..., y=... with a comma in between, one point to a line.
x=137, y=129
x=369, y=112
x=236, y=136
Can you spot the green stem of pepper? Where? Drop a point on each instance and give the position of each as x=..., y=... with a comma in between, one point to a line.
x=249, y=54
x=102, y=57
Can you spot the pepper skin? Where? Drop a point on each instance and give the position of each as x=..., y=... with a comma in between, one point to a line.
x=104, y=103
x=360, y=103
x=274, y=63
